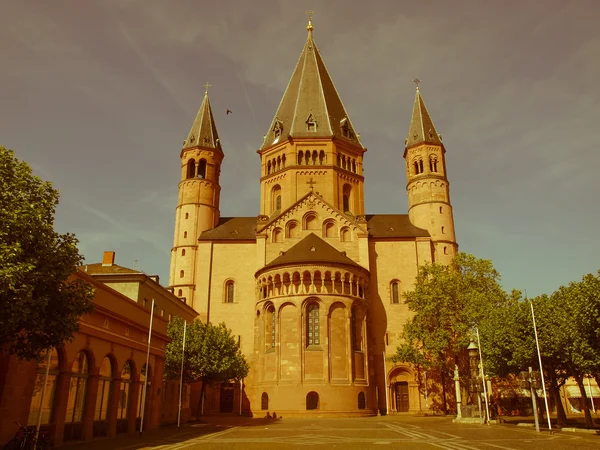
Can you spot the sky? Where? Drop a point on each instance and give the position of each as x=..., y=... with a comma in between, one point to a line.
x=98, y=96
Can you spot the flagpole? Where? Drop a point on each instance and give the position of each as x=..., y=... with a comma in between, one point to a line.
x=487, y=406
x=181, y=375
x=39, y=418
x=537, y=344
x=147, y=371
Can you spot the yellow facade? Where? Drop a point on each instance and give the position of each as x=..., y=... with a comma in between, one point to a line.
x=312, y=285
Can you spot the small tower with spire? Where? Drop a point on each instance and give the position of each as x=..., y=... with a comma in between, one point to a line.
x=198, y=199
x=428, y=187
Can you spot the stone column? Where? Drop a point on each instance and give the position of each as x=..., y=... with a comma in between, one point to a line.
x=59, y=411
x=134, y=395
x=458, y=396
x=113, y=405
x=89, y=406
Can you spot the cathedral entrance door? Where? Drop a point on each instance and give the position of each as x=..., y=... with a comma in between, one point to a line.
x=226, y=398
x=402, y=396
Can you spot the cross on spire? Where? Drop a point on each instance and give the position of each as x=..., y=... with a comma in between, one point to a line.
x=312, y=183
x=417, y=81
x=206, y=86
x=309, y=13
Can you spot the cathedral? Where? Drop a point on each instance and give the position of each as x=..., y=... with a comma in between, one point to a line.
x=312, y=286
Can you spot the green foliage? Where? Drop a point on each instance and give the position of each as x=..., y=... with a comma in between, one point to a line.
x=211, y=353
x=448, y=301
x=39, y=305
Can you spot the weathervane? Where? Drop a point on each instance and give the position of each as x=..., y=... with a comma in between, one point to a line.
x=417, y=81
x=309, y=13
x=206, y=86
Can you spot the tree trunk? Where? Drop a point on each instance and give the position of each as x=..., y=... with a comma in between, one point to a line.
x=198, y=408
x=444, y=404
x=561, y=417
x=586, y=407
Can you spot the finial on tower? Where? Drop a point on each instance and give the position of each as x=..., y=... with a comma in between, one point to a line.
x=417, y=81
x=206, y=86
x=309, y=27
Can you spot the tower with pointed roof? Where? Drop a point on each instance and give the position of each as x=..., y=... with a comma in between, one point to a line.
x=428, y=188
x=312, y=286
x=198, y=200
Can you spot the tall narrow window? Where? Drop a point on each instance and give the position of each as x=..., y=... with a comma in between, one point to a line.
x=229, y=291
x=36, y=400
x=76, y=400
x=278, y=203
x=202, y=169
x=322, y=157
x=420, y=166
x=347, y=192
x=124, y=394
x=300, y=157
x=275, y=198
x=313, y=335
x=104, y=388
x=416, y=167
x=362, y=403
x=183, y=252
x=264, y=401
x=191, y=168
x=395, y=292
x=312, y=400
x=270, y=327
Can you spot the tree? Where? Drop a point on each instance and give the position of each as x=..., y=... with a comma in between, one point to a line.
x=211, y=354
x=40, y=303
x=447, y=302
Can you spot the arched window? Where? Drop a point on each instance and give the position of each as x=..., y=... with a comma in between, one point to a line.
x=270, y=327
x=354, y=165
x=124, y=396
x=276, y=198
x=76, y=400
x=345, y=235
x=279, y=163
x=343, y=161
x=362, y=403
x=357, y=320
x=310, y=222
x=202, y=168
x=36, y=399
x=313, y=334
x=185, y=234
x=264, y=401
x=421, y=166
x=283, y=161
x=395, y=288
x=191, y=168
x=330, y=230
x=322, y=157
x=347, y=192
x=445, y=250
x=183, y=252
x=277, y=235
x=300, y=157
x=269, y=167
x=443, y=232
x=339, y=160
x=432, y=164
x=315, y=155
x=293, y=229
x=103, y=394
x=179, y=293
x=307, y=157
x=181, y=273
x=440, y=210
x=312, y=400
x=229, y=291
x=416, y=167
x=187, y=215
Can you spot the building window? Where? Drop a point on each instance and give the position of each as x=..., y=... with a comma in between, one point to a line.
x=322, y=157
x=191, y=168
x=264, y=401
x=311, y=123
x=77, y=385
x=356, y=330
x=277, y=235
x=183, y=252
x=440, y=210
x=432, y=164
x=270, y=327
x=185, y=234
x=312, y=401
x=300, y=157
x=443, y=230
x=421, y=166
x=395, y=292
x=162, y=313
x=181, y=273
x=104, y=385
x=124, y=392
x=445, y=250
x=362, y=402
x=229, y=291
x=345, y=235
x=313, y=335
x=145, y=303
x=143, y=373
x=36, y=399
x=416, y=167
x=187, y=215
x=170, y=317
x=179, y=293
x=275, y=199
x=202, y=169
x=347, y=192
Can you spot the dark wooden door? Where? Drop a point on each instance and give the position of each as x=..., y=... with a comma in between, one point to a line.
x=402, y=404
x=226, y=400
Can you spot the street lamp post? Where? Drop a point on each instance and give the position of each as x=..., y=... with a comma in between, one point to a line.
x=531, y=380
x=475, y=382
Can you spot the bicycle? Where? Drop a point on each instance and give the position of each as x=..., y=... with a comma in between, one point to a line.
x=25, y=439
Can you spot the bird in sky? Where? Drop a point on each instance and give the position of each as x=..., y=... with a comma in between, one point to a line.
x=229, y=111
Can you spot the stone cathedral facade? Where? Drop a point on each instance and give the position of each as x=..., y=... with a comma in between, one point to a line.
x=313, y=284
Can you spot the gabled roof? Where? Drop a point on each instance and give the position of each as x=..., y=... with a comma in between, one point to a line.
x=393, y=226
x=233, y=229
x=204, y=131
x=421, y=130
x=99, y=268
x=312, y=249
x=310, y=97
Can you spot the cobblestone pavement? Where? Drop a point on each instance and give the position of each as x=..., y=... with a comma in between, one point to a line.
x=406, y=432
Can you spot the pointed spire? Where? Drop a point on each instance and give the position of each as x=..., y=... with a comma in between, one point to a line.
x=310, y=106
x=421, y=128
x=204, y=131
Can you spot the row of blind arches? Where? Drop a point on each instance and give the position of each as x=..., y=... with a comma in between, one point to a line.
x=314, y=157
x=312, y=401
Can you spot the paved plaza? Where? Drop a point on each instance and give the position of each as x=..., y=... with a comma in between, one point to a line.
x=406, y=432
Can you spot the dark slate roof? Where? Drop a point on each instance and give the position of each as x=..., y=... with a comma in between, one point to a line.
x=312, y=249
x=233, y=229
x=393, y=226
x=204, y=131
x=421, y=128
x=310, y=96
x=98, y=268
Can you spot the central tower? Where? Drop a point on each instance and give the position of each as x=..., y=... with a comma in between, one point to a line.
x=311, y=143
